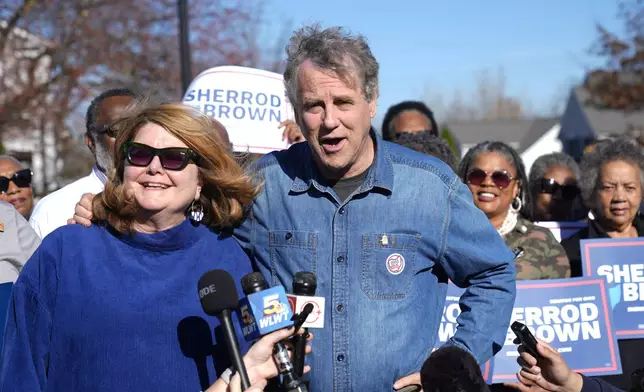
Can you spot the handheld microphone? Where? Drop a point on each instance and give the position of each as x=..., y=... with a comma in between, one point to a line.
x=266, y=310
x=219, y=297
x=304, y=285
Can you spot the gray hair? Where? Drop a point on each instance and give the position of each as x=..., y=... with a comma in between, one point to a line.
x=605, y=152
x=333, y=49
x=548, y=161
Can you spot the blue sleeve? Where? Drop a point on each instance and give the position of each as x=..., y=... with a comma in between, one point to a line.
x=25, y=351
x=592, y=384
x=476, y=258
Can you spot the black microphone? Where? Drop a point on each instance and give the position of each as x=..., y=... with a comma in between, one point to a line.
x=219, y=298
x=305, y=284
x=255, y=283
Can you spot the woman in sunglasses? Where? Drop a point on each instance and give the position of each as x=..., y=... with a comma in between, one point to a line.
x=611, y=186
x=553, y=182
x=114, y=306
x=496, y=177
x=15, y=185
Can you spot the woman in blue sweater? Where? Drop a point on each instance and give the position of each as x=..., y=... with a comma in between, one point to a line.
x=114, y=306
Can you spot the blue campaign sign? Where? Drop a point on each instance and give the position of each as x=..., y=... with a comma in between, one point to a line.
x=621, y=262
x=573, y=316
x=448, y=325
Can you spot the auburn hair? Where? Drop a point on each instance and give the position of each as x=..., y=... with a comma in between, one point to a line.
x=227, y=190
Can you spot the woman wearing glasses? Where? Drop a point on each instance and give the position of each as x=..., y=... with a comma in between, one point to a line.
x=496, y=177
x=114, y=306
x=553, y=182
x=15, y=185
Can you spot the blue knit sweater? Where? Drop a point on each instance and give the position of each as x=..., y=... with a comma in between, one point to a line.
x=94, y=310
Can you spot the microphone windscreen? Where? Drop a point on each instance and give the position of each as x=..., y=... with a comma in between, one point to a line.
x=304, y=283
x=253, y=283
x=217, y=292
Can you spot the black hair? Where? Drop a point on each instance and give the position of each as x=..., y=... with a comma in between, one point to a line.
x=452, y=369
x=92, y=110
x=513, y=158
x=428, y=143
x=395, y=110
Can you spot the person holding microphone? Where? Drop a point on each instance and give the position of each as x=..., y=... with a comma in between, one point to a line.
x=259, y=364
x=551, y=373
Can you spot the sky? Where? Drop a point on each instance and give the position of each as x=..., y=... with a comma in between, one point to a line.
x=429, y=48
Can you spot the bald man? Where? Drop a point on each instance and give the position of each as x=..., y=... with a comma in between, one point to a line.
x=15, y=185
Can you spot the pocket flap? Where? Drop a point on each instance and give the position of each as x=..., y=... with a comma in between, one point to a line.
x=292, y=238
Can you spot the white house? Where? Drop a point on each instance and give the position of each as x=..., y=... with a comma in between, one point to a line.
x=35, y=146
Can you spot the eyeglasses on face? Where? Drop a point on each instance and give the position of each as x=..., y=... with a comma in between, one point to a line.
x=552, y=187
x=173, y=158
x=501, y=178
x=22, y=179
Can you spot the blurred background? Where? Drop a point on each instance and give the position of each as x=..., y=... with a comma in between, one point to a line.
x=542, y=76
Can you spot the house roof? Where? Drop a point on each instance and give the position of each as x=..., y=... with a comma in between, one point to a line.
x=521, y=132
x=581, y=120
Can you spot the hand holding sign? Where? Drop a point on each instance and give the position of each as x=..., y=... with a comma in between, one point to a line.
x=292, y=133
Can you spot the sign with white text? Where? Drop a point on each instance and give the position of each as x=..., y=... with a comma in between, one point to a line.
x=621, y=262
x=573, y=316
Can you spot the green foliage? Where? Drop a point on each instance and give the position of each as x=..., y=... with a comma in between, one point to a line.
x=451, y=140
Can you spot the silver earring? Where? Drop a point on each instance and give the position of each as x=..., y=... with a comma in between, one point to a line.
x=196, y=211
x=516, y=204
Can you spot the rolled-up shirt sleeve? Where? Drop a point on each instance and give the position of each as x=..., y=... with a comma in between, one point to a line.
x=476, y=258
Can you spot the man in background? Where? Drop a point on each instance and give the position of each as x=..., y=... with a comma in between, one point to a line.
x=408, y=117
x=54, y=209
x=429, y=144
x=15, y=185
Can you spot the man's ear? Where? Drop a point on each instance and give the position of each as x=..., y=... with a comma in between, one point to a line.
x=90, y=144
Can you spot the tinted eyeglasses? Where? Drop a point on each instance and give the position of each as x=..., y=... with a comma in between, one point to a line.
x=22, y=179
x=174, y=158
x=501, y=178
x=551, y=187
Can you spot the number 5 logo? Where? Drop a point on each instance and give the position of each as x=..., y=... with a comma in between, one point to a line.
x=272, y=304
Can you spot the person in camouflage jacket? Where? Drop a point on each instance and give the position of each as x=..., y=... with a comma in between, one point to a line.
x=539, y=254
x=496, y=177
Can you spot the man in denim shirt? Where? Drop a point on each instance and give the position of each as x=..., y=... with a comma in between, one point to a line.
x=382, y=227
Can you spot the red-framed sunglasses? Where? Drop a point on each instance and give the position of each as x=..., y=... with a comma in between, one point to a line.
x=501, y=178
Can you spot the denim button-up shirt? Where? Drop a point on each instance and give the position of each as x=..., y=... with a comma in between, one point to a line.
x=382, y=260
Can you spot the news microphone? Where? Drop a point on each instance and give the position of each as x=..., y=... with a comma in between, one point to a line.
x=266, y=310
x=304, y=284
x=219, y=297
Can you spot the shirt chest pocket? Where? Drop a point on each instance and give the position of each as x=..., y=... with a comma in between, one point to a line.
x=388, y=264
x=290, y=252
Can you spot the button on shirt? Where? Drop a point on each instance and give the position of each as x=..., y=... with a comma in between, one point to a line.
x=382, y=260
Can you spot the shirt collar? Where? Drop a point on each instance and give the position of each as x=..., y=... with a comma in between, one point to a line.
x=98, y=173
x=381, y=174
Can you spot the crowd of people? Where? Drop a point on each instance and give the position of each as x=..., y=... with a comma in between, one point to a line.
x=104, y=295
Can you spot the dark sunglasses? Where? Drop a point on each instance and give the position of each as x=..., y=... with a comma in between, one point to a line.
x=501, y=178
x=174, y=158
x=22, y=179
x=551, y=187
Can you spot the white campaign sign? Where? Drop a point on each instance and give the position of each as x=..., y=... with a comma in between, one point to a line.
x=249, y=102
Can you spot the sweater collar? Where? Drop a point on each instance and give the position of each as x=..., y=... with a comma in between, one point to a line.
x=182, y=236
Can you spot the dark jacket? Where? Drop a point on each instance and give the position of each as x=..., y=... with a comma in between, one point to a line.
x=593, y=384
x=631, y=350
